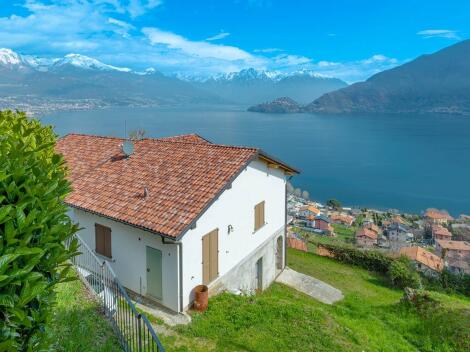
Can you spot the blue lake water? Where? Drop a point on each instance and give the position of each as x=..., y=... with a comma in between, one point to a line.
x=407, y=162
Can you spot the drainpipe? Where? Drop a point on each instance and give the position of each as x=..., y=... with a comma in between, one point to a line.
x=180, y=271
x=285, y=222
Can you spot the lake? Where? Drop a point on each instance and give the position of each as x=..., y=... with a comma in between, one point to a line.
x=406, y=162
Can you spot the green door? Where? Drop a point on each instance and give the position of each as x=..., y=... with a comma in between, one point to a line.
x=154, y=272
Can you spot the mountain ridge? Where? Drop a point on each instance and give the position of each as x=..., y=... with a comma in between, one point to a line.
x=431, y=83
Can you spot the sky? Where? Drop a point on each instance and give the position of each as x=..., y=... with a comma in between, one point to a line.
x=350, y=40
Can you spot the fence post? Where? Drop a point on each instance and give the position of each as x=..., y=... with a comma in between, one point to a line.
x=104, y=288
x=139, y=325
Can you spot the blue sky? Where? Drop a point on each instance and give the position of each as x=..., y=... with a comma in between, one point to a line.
x=347, y=39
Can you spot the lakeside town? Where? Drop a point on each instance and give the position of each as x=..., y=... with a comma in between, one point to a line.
x=433, y=240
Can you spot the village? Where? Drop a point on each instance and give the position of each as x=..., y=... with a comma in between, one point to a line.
x=433, y=241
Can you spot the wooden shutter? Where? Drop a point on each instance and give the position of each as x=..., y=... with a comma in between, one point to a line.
x=259, y=215
x=214, y=258
x=206, y=259
x=103, y=240
x=210, y=256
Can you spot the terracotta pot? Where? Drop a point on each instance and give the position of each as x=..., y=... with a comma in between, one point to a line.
x=201, y=298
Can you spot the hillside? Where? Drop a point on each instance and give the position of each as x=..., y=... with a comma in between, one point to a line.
x=370, y=318
x=277, y=106
x=435, y=83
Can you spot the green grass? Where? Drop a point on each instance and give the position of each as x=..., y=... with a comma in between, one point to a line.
x=370, y=318
x=78, y=324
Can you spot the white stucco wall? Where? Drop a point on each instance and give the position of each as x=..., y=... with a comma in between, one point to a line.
x=235, y=207
x=128, y=248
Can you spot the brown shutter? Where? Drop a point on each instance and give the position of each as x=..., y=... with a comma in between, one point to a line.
x=103, y=240
x=259, y=215
x=210, y=256
x=214, y=267
x=107, y=242
x=206, y=259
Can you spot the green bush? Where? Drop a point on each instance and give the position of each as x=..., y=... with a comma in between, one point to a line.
x=370, y=259
x=402, y=274
x=450, y=282
x=33, y=227
x=399, y=270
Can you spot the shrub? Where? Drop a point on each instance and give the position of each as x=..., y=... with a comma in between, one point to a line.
x=370, y=260
x=402, y=274
x=421, y=300
x=399, y=270
x=33, y=227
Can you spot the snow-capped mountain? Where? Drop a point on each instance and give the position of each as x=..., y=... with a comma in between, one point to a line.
x=252, y=86
x=87, y=63
x=77, y=76
x=13, y=60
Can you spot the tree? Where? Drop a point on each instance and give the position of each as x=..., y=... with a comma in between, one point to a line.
x=298, y=192
x=138, y=134
x=33, y=227
x=305, y=195
x=290, y=188
x=333, y=203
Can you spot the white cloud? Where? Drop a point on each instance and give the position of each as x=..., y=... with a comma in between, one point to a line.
x=138, y=7
x=104, y=29
x=354, y=71
x=285, y=60
x=123, y=28
x=439, y=33
x=221, y=35
x=267, y=50
x=195, y=48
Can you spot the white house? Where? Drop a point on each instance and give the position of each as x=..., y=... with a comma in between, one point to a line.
x=177, y=212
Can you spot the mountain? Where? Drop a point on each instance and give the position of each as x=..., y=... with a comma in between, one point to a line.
x=435, y=83
x=30, y=81
x=278, y=106
x=250, y=86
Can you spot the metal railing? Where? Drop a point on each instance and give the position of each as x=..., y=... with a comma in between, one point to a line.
x=133, y=329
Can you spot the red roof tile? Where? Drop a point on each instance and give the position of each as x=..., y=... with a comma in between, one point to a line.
x=423, y=256
x=183, y=175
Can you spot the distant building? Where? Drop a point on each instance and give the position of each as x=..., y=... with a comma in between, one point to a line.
x=425, y=261
x=307, y=211
x=366, y=237
x=343, y=219
x=373, y=227
x=322, y=223
x=434, y=216
x=456, y=255
x=440, y=233
x=399, y=236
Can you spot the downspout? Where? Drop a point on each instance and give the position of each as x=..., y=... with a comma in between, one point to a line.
x=285, y=222
x=180, y=271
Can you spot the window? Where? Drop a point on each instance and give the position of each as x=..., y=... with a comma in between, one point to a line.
x=259, y=216
x=103, y=240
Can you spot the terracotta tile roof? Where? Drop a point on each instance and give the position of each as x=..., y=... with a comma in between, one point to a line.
x=424, y=257
x=313, y=209
x=342, y=218
x=372, y=227
x=183, y=175
x=438, y=230
x=365, y=232
x=454, y=245
x=437, y=215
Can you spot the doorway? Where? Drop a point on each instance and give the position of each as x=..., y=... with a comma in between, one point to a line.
x=154, y=273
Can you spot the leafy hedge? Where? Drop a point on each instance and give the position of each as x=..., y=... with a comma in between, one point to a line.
x=399, y=270
x=450, y=282
x=33, y=227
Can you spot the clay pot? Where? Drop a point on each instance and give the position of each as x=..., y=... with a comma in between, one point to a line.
x=201, y=298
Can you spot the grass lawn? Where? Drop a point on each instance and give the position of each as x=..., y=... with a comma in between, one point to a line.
x=78, y=324
x=370, y=318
